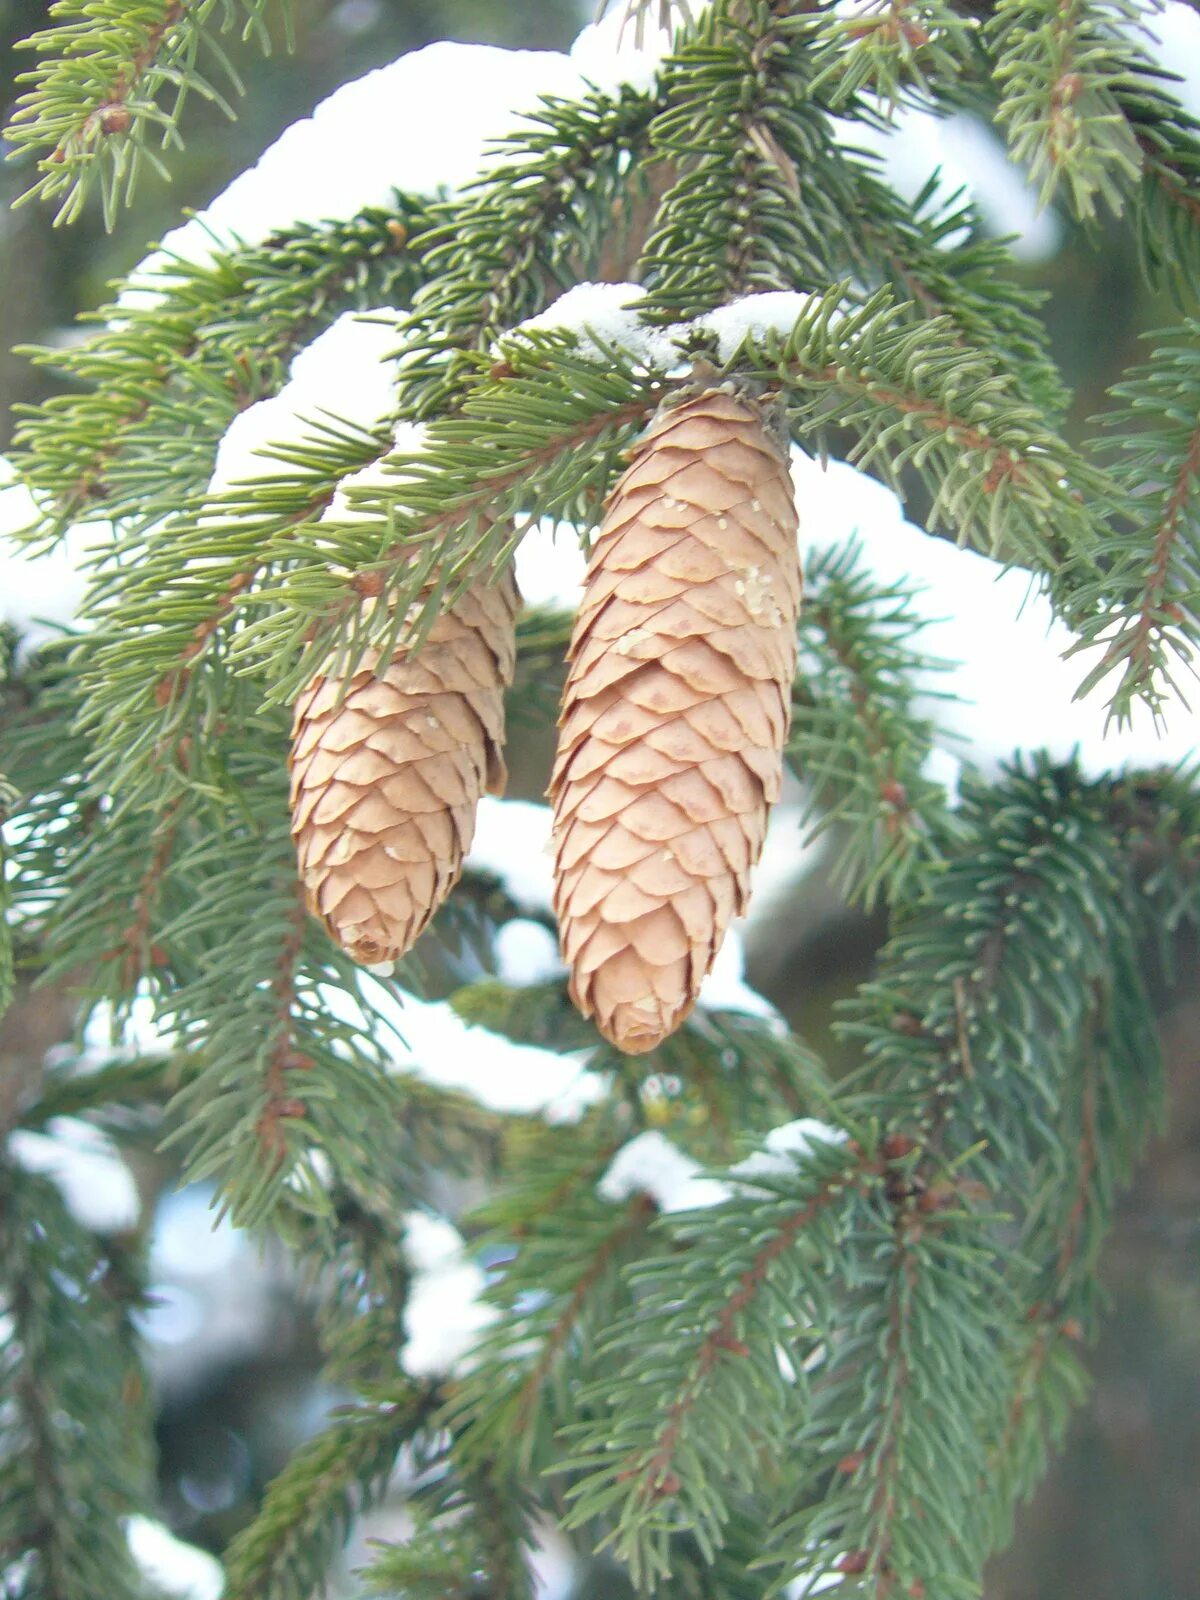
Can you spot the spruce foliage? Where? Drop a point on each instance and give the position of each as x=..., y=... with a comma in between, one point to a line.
x=850, y=1368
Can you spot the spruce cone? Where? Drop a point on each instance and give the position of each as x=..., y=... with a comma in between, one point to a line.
x=385, y=781
x=675, y=713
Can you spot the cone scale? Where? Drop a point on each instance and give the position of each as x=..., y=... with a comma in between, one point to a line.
x=387, y=771
x=675, y=713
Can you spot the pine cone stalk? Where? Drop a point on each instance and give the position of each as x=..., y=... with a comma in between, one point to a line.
x=387, y=770
x=675, y=713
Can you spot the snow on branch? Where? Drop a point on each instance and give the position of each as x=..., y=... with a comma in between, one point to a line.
x=445, y=1313
x=429, y=122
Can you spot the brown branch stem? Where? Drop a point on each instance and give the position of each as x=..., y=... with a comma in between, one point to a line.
x=279, y=1105
x=1165, y=540
x=654, y=1469
x=638, y=1213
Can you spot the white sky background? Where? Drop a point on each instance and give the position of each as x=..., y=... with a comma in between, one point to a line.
x=436, y=109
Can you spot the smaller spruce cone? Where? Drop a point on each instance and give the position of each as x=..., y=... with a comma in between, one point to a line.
x=385, y=779
x=675, y=713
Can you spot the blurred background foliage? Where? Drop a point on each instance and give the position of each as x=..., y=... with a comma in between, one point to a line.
x=233, y=1347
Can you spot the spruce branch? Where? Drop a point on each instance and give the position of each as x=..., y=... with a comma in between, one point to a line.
x=908, y=247
x=119, y=1084
x=560, y=1290
x=166, y=379
x=897, y=50
x=75, y=1428
x=856, y=737
x=759, y=201
x=1055, y=1178
x=308, y=1510
x=916, y=397
x=454, y=512
x=748, y=1284
x=912, y=395
x=1113, y=1101
x=168, y=599
x=1147, y=615
x=1167, y=216
x=1059, y=64
x=535, y=224
x=285, y=1075
x=97, y=94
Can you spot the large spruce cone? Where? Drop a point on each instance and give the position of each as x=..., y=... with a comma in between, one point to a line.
x=675, y=713
x=386, y=779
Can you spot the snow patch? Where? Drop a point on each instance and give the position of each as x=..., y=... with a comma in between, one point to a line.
x=512, y=841
x=786, y=1145
x=430, y=1243
x=422, y=124
x=172, y=1566
x=40, y=595
x=651, y=1164
x=526, y=952
x=96, y=1185
x=1014, y=690
x=725, y=988
x=610, y=54
x=754, y=316
x=599, y=315
x=440, y=1047
x=348, y=372
x=445, y=1312
x=801, y=1588
x=551, y=566
x=605, y=316
x=967, y=157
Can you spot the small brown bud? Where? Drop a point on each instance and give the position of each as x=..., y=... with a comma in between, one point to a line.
x=1068, y=88
x=166, y=687
x=896, y=1146
x=114, y=118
